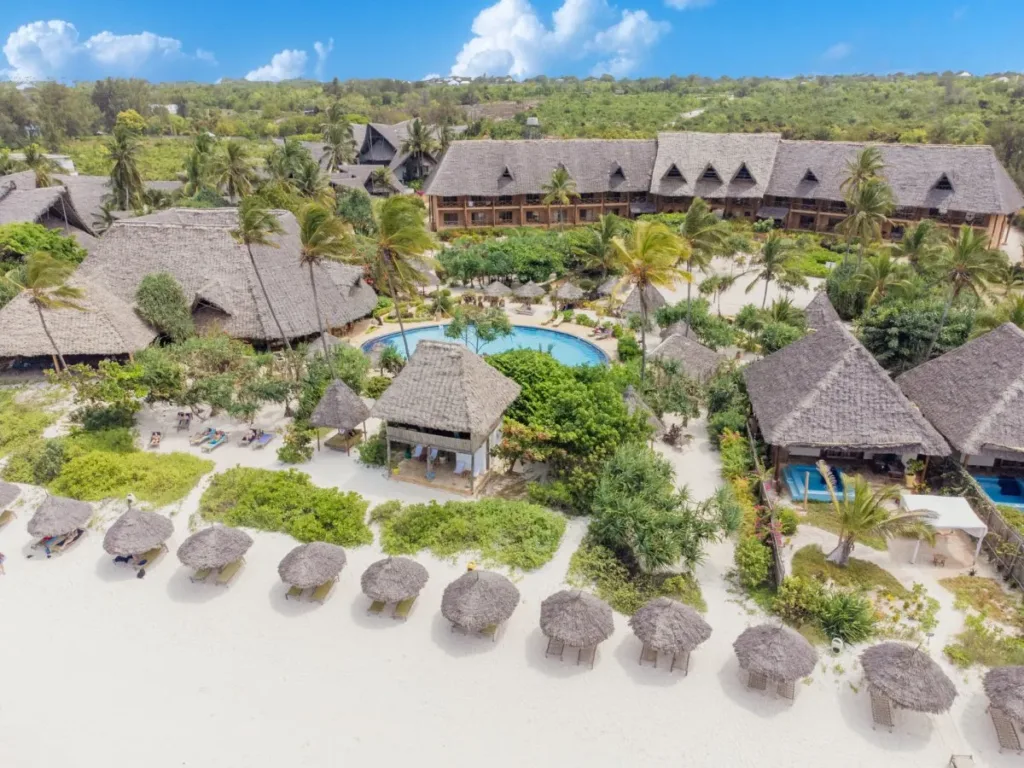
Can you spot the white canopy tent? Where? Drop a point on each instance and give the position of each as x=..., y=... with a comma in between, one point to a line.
x=946, y=513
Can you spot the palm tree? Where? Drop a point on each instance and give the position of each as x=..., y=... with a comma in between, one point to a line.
x=966, y=263
x=382, y=179
x=196, y=172
x=445, y=136
x=233, y=171
x=339, y=146
x=312, y=183
x=560, y=189
x=1010, y=277
x=919, y=244
x=126, y=186
x=256, y=224
x=867, y=512
x=322, y=236
x=649, y=256
x=104, y=218
x=865, y=166
x=773, y=264
x=703, y=238
x=1010, y=310
x=784, y=311
x=716, y=286
x=870, y=204
x=334, y=115
x=598, y=250
x=46, y=286
x=284, y=161
x=419, y=143
x=39, y=164
x=882, y=276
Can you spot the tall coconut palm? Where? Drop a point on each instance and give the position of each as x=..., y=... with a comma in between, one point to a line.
x=649, y=256
x=870, y=204
x=322, y=237
x=1010, y=277
x=560, y=189
x=233, y=172
x=126, y=185
x=284, y=161
x=597, y=251
x=104, y=218
x=863, y=167
x=312, y=183
x=334, y=115
x=256, y=225
x=339, y=146
x=445, y=136
x=868, y=513
x=882, y=276
x=774, y=264
x=703, y=237
x=419, y=143
x=966, y=263
x=45, y=283
x=919, y=244
x=785, y=311
x=196, y=172
x=40, y=165
x=382, y=181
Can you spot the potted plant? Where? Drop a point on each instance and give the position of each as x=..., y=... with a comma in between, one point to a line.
x=914, y=469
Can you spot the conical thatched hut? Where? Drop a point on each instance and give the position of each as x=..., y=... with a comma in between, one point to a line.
x=478, y=600
x=497, y=289
x=313, y=564
x=610, y=286
x=340, y=408
x=394, y=579
x=569, y=292
x=665, y=625
x=694, y=359
x=137, y=531
x=634, y=403
x=214, y=547
x=57, y=516
x=1004, y=687
x=679, y=327
x=770, y=652
x=529, y=291
x=576, y=618
x=8, y=493
x=652, y=297
x=908, y=677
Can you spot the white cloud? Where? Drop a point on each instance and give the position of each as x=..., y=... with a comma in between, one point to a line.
x=509, y=38
x=682, y=5
x=286, y=65
x=36, y=51
x=206, y=56
x=130, y=50
x=837, y=52
x=432, y=76
x=322, y=52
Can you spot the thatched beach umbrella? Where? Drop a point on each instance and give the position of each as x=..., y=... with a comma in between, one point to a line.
x=478, y=599
x=497, y=289
x=569, y=292
x=57, y=516
x=669, y=626
x=576, y=618
x=774, y=651
x=529, y=291
x=214, y=547
x=908, y=677
x=313, y=564
x=8, y=493
x=393, y=579
x=634, y=402
x=1004, y=687
x=340, y=408
x=610, y=286
x=137, y=531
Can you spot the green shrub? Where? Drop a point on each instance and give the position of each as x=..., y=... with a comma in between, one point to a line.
x=23, y=239
x=788, y=521
x=798, y=600
x=289, y=502
x=161, y=302
x=385, y=511
x=846, y=615
x=23, y=419
x=735, y=450
x=753, y=562
x=159, y=478
x=628, y=349
x=298, y=444
x=585, y=320
x=376, y=385
x=373, y=451
x=725, y=421
x=986, y=645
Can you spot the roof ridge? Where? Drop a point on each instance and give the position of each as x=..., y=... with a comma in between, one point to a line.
x=830, y=374
x=1015, y=388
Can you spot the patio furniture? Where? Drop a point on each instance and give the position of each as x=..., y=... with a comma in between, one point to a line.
x=587, y=655
x=377, y=607
x=229, y=571
x=681, y=660
x=218, y=440
x=321, y=593
x=294, y=593
x=1006, y=732
x=555, y=648
x=881, y=710
x=961, y=761
x=402, y=608
x=6, y=516
x=202, y=437
x=201, y=575
x=757, y=681
x=939, y=560
x=648, y=655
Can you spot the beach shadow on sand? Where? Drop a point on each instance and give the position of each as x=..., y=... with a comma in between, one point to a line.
x=361, y=617
x=627, y=653
x=287, y=607
x=110, y=571
x=551, y=666
x=181, y=589
x=976, y=728
x=912, y=733
x=733, y=680
x=458, y=645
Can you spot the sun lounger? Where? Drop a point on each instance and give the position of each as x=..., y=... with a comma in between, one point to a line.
x=648, y=656
x=680, y=661
x=147, y=558
x=294, y=593
x=216, y=443
x=757, y=681
x=1005, y=731
x=184, y=422
x=491, y=632
x=229, y=571
x=555, y=648
x=320, y=593
x=261, y=442
x=6, y=516
x=524, y=310
x=377, y=607
x=202, y=437
x=201, y=575
x=786, y=689
x=401, y=612
x=587, y=655
x=67, y=541
x=558, y=321
x=961, y=761
x=881, y=710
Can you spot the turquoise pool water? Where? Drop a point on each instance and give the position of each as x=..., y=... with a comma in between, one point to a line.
x=565, y=348
x=1003, y=490
x=795, y=474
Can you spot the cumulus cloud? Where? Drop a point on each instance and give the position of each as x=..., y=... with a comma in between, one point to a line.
x=837, y=52
x=432, y=76
x=682, y=5
x=510, y=38
x=286, y=65
x=38, y=50
x=322, y=52
x=130, y=50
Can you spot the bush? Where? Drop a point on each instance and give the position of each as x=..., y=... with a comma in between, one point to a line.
x=735, y=449
x=846, y=615
x=24, y=239
x=376, y=386
x=99, y=418
x=373, y=451
x=384, y=512
x=753, y=562
x=898, y=333
x=775, y=336
x=798, y=600
x=628, y=349
x=847, y=296
x=725, y=421
x=159, y=478
x=987, y=645
x=788, y=521
x=289, y=502
x=298, y=444
x=161, y=302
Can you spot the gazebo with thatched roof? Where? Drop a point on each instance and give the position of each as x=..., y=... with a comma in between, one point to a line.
x=631, y=304
x=569, y=293
x=610, y=286
x=138, y=533
x=214, y=547
x=447, y=398
x=1004, y=687
x=58, y=516
x=529, y=291
x=576, y=619
x=680, y=327
x=315, y=565
x=497, y=290
x=636, y=403
x=906, y=677
x=393, y=580
x=770, y=652
x=665, y=625
x=342, y=409
x=316, y=346
x=694, y=359
x=479, y=601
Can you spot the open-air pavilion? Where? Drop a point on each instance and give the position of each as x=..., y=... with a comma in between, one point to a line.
x=479, y=602
x=668, y=626
x=575, y=619
x=903, y=676
x=946, y=514
x=137, y=537
x=314, y=566
x=342, y=409
x=218, y=549
x=774, y=654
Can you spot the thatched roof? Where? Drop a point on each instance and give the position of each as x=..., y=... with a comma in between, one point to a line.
x=631, y=306
x=340, y=408
x=8, y=493
x=569, y=292
x=214, y=547
x=105, y=326
x=393, y=579
x=820, y=312
x=974, y=395
x=316, y=346
x=529, y=291
x=694, y=155
x=776, y=651
x=137, y=531
x=634, y=402
x=57, y=516
x=1004, y=687
x=50, y=206
x=312, y=564
x=496, y=289
x=909, y=677
x=445, y=386
x=670, y=626
x=609, y=286
x=696, y=360
x=826, y=390
x=680, y=328
x=478, y=599
x=576, y=618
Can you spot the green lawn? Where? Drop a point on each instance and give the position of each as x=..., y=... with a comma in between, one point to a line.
x=820, y=515
x=986, y=596
x=858, y=574
x=160, y=158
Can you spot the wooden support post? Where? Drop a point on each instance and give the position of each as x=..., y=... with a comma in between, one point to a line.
x=472, y=469
x=807, y=488
x=387, y=441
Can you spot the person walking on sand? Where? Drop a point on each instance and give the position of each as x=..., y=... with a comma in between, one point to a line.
x=2, y=558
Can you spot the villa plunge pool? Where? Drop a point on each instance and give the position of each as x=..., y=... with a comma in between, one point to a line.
x=565, y=348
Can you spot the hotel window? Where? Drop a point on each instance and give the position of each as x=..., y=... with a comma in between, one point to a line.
x=639, y=197
x=479, y=201
x=673, y=172
x=451, y=219
x=532, y=217
x=590, y=197
x=586, y=214
x=505, y=200
x=561, y=217
x=613, y=197
x=711, y=174
x=478, y=218
x=533, y=200
x=808, y=202
x=505, y=217
x=743, y=174
x=449, y=202
x=614, y=212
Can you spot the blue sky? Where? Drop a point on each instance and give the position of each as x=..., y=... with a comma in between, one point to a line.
x=264, y=40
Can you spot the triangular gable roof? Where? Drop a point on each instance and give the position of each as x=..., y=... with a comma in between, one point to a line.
x=507, y=174
x=673, y=172
x=810, y=177
x=820, y=312
x=30, y=205
x=215, y=295
x=340, y=408
x=944, y=184
x=743, y=174
x=617, y=172
x=696, y=360
x=709, y=173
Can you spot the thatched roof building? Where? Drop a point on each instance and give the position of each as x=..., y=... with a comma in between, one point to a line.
x=569, y=292
x=393, y=579
x=696, y=361
x=214, y=547
x=634, y=403
x=313, y=564
x=669, y=626
x=610, y=286
x=908, y=677
x=316, y=345
x=775, y=651
x=529, y=290
x=50, y=206
x=826, y=390
x=57, y=516
x=576, y=618
x=497, y=289
x=974, y=395
x=137, y=531
x=478, y=599
x=1004, y=687
x=681, y=328
x=340, y=408
x=820, y=313
x=631, y=304
x=8, y=493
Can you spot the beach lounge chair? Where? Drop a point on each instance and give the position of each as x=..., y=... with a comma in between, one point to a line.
x=294, y=593
x=154, y=439
x=587, y=655
x=648, y=656
x=377, y=607
x=261, y=442
x=67, y=541
x=558, y=321
x=757, y=681
x=881, y=710
x=680, y=661
x=555, y=648
x=786, y=689
x=1005, y=731
x=401, y=612
x=248, y=437
x=147, y=558
x=525, y=309
x=6, y=516
x=201, y=575
x=321, y=593
x=961, y=761
x=216, y=443
x=202, y=437
x=184, y=421
x=229, y=571
x=491, y=632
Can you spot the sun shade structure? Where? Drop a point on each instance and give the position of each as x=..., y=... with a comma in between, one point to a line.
x=694, y=359
x=946, y=513
x=1004, y=687
x=908, y=677
x=214, y=547
x=8, y=493
x=478, y=599
x=669, y=626
x=775, y=651
x=827, y=391
x=340, y=408
x=529, y=291
x=313, y=564
x=137, y=531
x=634, y=403
x=569, y=292
x=497, y=289
x=974, y=395
x=820, y=313
x=576, y=618
x=393, y=579
x=57, y=516
x=653, y=297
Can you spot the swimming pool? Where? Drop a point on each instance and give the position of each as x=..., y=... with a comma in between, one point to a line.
x=565, y=348
x=796, y=474
x=1005, y=490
